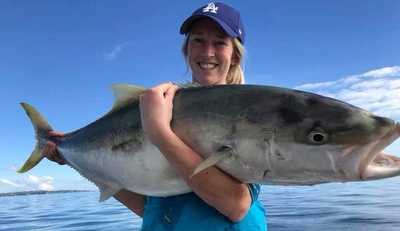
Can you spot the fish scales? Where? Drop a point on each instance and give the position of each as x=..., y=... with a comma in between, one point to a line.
x=257, y=134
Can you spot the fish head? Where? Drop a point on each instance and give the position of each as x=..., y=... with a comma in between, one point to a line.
x=273, y=135
x=318, y=139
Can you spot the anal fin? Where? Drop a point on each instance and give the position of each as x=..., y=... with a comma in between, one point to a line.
x=107, y=192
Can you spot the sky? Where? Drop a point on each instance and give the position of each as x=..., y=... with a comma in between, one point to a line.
x=62, y=57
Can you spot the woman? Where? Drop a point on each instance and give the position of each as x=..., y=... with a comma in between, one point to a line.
x=213, y=50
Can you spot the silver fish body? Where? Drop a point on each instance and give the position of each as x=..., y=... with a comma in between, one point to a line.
x=257, y=134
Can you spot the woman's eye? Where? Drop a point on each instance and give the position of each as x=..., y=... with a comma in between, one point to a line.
x=221, y=43
x=196, y=40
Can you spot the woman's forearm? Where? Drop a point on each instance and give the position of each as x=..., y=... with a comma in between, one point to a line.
x=135, y=202
x=225, y=193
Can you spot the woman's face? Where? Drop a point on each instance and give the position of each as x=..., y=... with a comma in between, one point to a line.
x=210, y=53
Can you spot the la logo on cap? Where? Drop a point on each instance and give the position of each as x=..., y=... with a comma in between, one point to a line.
x=210, y=8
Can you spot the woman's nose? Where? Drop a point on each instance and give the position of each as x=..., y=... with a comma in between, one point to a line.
x=209, y=49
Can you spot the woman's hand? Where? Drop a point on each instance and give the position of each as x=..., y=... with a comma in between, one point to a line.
x=156, y=111
x=50, y=150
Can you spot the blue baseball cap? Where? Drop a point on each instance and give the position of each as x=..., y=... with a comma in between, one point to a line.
x=227, y=17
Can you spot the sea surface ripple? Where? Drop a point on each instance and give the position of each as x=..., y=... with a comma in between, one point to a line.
x=366, y=206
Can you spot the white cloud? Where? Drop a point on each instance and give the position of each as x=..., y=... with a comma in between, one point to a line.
x=113, y=54
x=46, y=187
x=10, y=183
x=41, y=183
x=384, y=72
x=316, y=85
x=13, y=168
x=375, y=90
x=27, y=183
x=378, y=83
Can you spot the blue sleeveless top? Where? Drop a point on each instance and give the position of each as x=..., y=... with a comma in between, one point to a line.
x=188, y=212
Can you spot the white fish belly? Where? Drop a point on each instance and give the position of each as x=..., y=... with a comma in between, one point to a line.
x=145, y=172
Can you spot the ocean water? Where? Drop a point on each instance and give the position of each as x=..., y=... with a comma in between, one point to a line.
x=351, y=206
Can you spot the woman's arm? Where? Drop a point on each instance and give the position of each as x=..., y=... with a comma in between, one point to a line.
x=133, y=201
x=218, y=189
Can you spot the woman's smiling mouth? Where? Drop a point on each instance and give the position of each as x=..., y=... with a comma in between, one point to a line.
x=207, y=66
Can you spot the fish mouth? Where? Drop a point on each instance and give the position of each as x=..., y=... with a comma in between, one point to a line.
x=376, y=164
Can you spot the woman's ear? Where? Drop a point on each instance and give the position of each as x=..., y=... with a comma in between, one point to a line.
x=235, y=59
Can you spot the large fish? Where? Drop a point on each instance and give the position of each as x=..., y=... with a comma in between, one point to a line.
x=257, y=134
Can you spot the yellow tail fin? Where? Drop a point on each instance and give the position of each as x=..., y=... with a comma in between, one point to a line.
x=42, y=129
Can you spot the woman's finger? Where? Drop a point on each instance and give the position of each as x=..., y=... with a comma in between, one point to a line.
x=170, y=93
x=56, y=134
x=48, y=149
x=60, y=160
x=50, y=152
x=163, y=87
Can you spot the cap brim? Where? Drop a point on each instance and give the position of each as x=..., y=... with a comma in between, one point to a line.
x=186, y=25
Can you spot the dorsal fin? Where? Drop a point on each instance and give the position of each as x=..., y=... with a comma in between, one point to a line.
x=125, y=94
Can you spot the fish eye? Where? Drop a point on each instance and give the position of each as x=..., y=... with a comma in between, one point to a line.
x=317, y=137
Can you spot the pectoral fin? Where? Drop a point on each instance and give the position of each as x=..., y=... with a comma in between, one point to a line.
x=224, y=153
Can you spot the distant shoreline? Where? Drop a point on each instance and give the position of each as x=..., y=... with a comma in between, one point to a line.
x=39, y=192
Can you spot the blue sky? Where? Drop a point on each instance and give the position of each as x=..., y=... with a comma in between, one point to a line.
x=62, y=57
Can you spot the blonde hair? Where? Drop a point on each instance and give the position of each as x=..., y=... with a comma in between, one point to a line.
x=235, y=73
